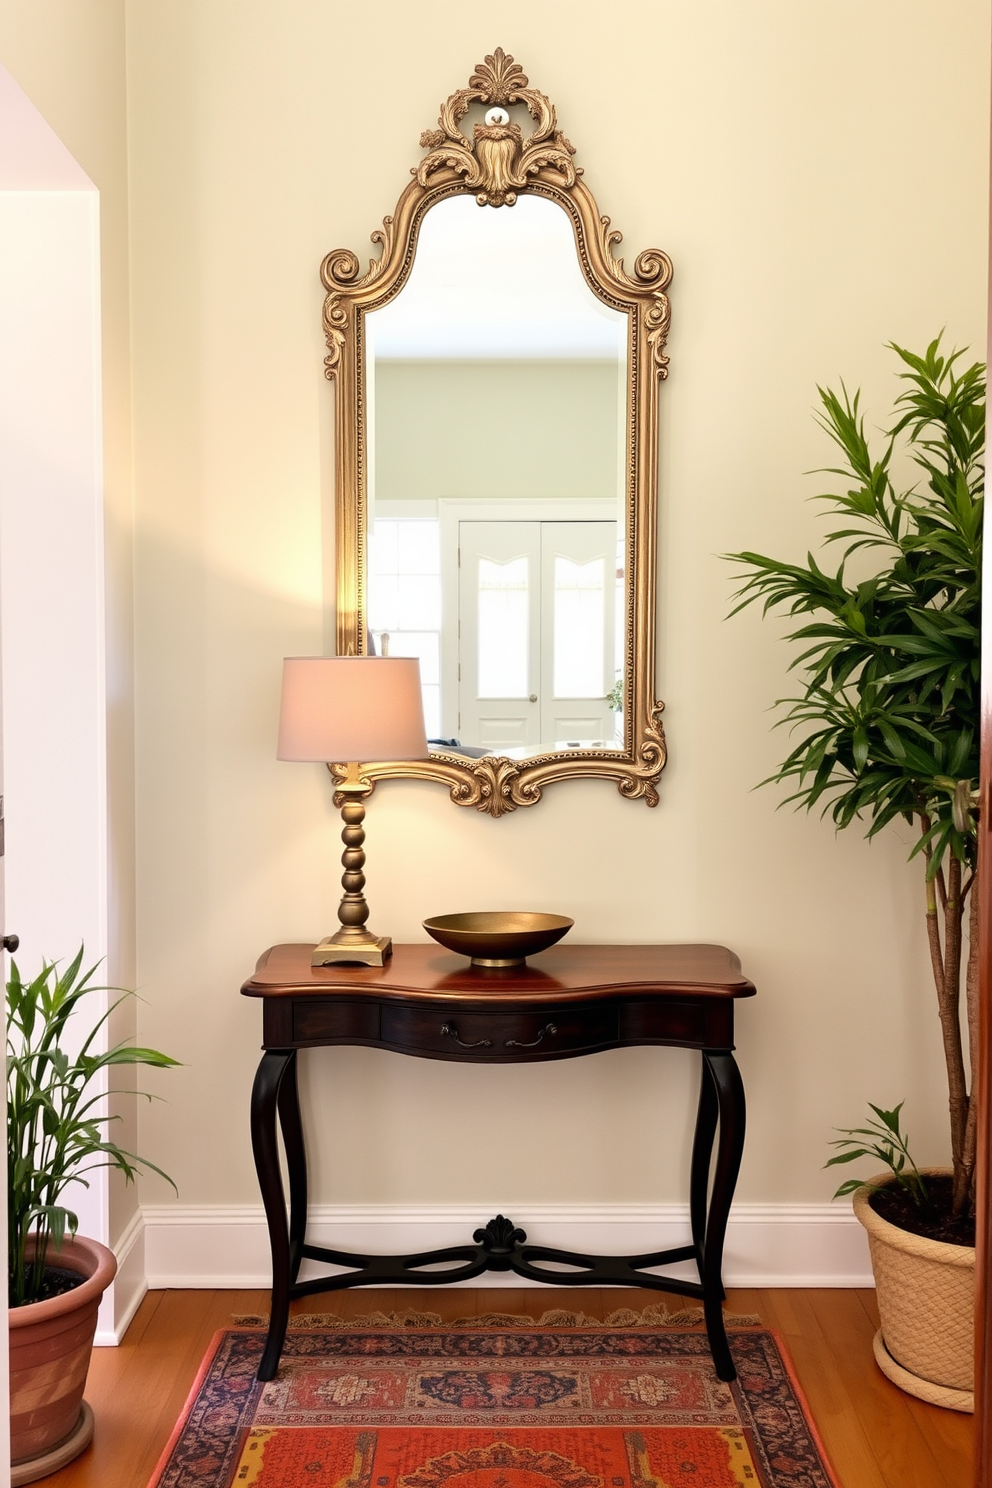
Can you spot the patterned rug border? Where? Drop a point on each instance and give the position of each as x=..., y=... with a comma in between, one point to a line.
x=338, y=1324
x=555, y=1317
x=194, y=1390
x=785, y=1355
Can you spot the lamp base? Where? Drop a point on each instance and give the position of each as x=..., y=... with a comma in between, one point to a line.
x=371, y=950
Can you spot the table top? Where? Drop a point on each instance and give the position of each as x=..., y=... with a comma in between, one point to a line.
x=574, y=973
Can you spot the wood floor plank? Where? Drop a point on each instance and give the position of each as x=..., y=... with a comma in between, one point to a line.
x=744, y=1301
x=949, y=1431
x=900, y=1440
x=866, y=1296
x=875, y=1436
x=360, y=1302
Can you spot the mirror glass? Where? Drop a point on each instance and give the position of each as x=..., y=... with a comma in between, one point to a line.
x=496, y=436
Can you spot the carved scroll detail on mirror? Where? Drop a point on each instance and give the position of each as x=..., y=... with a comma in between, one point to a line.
x=497, y=162
x=500, y=162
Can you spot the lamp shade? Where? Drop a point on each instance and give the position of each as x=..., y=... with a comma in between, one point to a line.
x=343, y=708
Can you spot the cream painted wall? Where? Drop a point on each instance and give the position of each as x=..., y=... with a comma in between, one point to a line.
x=818, y=175
x=69, y=58
x=560, y=420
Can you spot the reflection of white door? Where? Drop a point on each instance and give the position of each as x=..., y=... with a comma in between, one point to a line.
x=536, y=633
x=499, y=628
x=578, y=620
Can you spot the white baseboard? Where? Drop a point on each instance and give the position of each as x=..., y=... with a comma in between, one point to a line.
x=124, y=1295
x=768, y=1245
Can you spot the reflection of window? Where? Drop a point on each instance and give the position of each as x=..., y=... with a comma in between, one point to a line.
x=405, y=601
x=503, y=628
x=580, y=596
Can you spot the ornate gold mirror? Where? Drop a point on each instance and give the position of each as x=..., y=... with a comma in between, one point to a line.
x=497, y=371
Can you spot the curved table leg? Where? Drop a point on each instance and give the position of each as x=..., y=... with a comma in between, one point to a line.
x=296, y=1163
x=729, y=1089
x=265, y=1102
x=702, y=1152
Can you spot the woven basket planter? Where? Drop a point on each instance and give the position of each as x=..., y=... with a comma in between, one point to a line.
x=926, y=1302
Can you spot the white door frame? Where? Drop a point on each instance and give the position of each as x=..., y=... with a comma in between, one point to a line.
x=51, y=571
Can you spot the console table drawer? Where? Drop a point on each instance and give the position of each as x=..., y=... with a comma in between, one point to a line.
x=489, y=1036
x=319, y=1020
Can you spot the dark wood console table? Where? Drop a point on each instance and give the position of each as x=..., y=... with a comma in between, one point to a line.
x=565, y=1002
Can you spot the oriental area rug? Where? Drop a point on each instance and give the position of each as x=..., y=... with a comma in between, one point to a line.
x=495, y=1402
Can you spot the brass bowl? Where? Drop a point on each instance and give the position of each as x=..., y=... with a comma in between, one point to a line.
x=498, y=937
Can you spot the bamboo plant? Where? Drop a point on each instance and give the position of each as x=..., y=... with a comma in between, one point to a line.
x=887, y=716
x=55, y=1131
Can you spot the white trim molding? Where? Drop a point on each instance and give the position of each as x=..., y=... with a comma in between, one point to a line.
x=129, y=1286
x=768, y=1245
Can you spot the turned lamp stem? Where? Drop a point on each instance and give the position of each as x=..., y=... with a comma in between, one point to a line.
x=353, y=910
x=353, y=942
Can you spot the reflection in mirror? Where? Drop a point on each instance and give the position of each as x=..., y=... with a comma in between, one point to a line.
x=496, y=406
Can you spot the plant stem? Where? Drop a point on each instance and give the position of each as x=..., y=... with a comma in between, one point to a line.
x=964, y=1192
x=933, y=925
x=948, y=1002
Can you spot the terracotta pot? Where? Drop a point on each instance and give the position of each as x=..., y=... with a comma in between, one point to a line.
x=926, y=1302
x=50, y=1344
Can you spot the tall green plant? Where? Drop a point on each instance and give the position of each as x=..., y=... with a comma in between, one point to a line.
x=887, y=719
x=55, y=1134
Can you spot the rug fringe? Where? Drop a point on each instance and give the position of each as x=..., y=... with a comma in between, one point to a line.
x=556, y=1317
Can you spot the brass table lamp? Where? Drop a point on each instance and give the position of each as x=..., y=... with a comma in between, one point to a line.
x=347, y=710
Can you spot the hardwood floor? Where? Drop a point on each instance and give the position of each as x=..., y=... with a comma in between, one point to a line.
x=876, y=1436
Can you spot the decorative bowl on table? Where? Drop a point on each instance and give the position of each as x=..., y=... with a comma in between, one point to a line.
x=498, y=937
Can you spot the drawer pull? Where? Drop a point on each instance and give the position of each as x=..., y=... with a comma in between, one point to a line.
x=516, y=1044
x=448, y=1030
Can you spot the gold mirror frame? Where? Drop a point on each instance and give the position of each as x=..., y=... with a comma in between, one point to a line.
x=494, y=166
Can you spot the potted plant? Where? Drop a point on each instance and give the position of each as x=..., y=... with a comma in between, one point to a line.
x=887, y=724
x=56, y=1134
